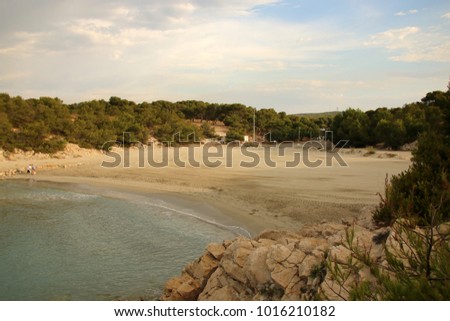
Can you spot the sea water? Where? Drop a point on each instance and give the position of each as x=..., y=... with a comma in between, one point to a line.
x=58, y=244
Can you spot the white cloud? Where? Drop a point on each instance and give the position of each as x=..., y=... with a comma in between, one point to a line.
x=436, y=53
x=14, y=76
x=185, y=7
x=103, y=32
x=215, y=44
x=191, y=34
x=405, y=13
x=178, y=35
x=411, y=44
x=447, y=15
x=25, y=44
x=216, y=50
x=180, y=50
x=393, y=38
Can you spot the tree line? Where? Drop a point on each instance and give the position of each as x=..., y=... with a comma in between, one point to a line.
x=47, y=124
x=391, y=127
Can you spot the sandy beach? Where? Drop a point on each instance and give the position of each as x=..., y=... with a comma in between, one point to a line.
x=255, y=198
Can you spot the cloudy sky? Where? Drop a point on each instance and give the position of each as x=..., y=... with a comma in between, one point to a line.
x=294, y=56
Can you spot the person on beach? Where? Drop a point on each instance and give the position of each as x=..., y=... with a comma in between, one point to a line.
x=33, y=169
x=29, y=169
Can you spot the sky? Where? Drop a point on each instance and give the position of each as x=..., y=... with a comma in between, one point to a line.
x=294, y=56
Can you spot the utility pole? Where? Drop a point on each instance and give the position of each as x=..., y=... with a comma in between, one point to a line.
x=254, y=125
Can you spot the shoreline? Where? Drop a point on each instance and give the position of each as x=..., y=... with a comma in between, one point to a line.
x=254, y=198
x=204, y=210
x=97, y=226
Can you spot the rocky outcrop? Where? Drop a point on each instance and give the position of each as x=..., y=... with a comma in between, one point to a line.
x=276, y=265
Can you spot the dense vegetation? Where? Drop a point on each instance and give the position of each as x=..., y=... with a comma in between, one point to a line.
x=424, y=187
x=416, y=206
x=47, y=124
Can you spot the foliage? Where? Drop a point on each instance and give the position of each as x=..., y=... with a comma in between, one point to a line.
x=417, y=206
x=92, y=123
x=207, y=130
x=233, y=135
x=353, y=125
x=426, y=182
x=388, y=127
x=391, y=132
x=416, y=265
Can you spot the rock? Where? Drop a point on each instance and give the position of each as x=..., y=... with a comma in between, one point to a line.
x=192, y=281
x=321, y=231
x=280, y=265
x=256, y=269
x=365, y=218
x=409, y=147
x=362, y=237
x=307, y=245
x=283, y=276
x=276, y=235
x=296, y=257
x=309, y=263
x=340, y=254
x=443, y=229
x=222, y=288
x=217, y=280
x=240, y=256
x=181, y=288
x=203, y=268
x=188, y=291
x=266, y=242
x=279, y=253
x=227, y=243
x=226, y=293
x=216, y=250
x=233, y=270
x=293, y=290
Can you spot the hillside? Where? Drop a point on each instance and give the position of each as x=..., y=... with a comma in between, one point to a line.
x=328, y=114
x=47, y=124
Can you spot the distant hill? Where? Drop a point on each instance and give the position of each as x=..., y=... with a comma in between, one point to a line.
x=319, y=115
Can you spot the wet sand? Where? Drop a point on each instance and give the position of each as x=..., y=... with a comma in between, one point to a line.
x=255, y=198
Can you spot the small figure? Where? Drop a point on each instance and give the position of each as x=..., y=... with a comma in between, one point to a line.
x=29, y=169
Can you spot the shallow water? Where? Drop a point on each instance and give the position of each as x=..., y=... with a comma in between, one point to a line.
x=57, y=244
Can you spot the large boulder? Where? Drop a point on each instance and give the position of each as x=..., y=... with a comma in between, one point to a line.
x=279, y=265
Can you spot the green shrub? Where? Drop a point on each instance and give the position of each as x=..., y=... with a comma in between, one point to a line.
x=411, y=193
x=417, y=205
x=51, y=146
x=417, y=265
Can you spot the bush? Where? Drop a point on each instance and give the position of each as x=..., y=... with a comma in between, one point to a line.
x=233, y=135
x=51, y=146
x=411, y=193
x=416, y=267
x=417, y=206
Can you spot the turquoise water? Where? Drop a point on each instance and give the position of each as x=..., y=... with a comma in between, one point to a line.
x=57, y=244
